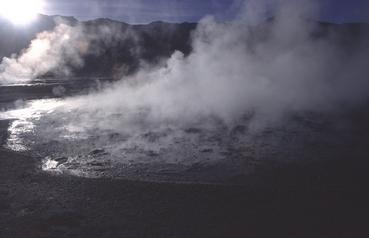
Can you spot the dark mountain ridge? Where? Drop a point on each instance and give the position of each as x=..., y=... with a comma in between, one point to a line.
x=130, y=45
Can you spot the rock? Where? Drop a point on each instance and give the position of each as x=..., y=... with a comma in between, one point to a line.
x=114, y=135
x=61, y=160
x=97, y=151
x=206, y=150
x=226, y=153
x=98, y=164
x=23, y=212
x=152, y=154
x=193, y=130
x=239, y=129
x=154, y=136
x=196, y=167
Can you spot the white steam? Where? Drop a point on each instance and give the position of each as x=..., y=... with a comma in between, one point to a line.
x=230, y=74
x=51, y=51
x=62, y=50
x=242, y=72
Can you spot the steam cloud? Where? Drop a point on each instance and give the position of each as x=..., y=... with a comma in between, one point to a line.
x=60, y=51
x=49, y=52
x=251, y=67
x=230, y=73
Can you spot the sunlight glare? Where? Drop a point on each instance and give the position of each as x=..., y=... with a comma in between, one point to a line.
x=20, y=12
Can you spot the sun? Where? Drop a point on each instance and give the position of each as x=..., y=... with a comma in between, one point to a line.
x=20, y=12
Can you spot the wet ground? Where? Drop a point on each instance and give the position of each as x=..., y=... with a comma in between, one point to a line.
x=208, y=152
x=318, y=198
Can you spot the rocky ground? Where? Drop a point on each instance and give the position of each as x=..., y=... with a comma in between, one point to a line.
x=327, y=199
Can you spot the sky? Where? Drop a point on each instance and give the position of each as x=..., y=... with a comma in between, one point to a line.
x=143, y=11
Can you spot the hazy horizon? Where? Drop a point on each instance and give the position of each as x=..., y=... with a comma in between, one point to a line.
x=144, y=11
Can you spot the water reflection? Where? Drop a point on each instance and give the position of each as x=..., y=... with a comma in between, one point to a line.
x=73, y=140
x=24, y=117
x=50, y=164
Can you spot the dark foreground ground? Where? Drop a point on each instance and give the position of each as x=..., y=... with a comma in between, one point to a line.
x=324, y=198
x=329, y=199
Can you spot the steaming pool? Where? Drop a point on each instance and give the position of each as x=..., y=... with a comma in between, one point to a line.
x=186, y=154
x=210, y=152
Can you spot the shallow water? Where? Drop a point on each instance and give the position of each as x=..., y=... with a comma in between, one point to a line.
x=66, y=141
x=23, y=120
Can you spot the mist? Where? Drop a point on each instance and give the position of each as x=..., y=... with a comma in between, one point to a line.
x=254, y=72
x=60, y=52
x=230, y=73
x=250, y=122
x=50, y=51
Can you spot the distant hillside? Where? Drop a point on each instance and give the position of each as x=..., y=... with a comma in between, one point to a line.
x=14, y=38
x=134, y=43
x=122, y=55
x=149, y=43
